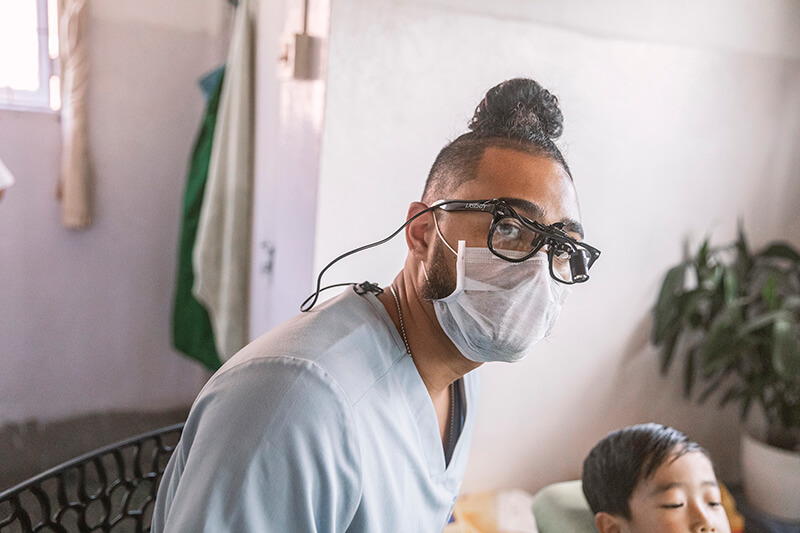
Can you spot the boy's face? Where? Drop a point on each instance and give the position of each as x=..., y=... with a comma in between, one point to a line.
x=682, y=496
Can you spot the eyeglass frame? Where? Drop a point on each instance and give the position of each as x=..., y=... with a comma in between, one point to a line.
x=552, y=236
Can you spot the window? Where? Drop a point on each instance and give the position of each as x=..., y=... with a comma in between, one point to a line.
x=29, y=55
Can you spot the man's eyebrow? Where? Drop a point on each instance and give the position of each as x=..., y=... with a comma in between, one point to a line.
x=573, y=226
x=536, y=212
x=528, y=208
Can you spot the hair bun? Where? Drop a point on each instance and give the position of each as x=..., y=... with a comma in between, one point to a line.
x=519, y=109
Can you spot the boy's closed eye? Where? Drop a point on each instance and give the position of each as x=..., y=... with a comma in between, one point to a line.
x=672, y=505
x=678, y=505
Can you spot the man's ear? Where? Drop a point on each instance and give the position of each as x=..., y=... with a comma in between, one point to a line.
x=418, y=233
x=608, y=523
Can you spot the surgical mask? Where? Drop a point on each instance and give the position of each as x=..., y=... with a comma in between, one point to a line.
x=499, y=310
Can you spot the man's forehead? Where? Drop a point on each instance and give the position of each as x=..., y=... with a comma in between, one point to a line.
x=536, y=185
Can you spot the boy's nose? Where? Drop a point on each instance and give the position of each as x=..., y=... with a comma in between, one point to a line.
x=702, y=522
x=705, y=526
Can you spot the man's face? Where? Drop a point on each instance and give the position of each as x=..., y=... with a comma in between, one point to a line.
x=682, y=496
x=535, y=186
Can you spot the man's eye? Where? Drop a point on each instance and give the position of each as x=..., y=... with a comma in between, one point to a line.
x=508, y=230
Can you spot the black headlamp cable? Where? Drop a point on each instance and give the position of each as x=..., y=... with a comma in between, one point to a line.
x=311, y=301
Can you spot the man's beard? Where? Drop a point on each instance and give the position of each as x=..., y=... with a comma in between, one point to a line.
x=440, y=281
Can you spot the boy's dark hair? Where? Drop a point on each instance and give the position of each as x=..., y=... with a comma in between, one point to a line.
x=518, y=114
x=622, y=459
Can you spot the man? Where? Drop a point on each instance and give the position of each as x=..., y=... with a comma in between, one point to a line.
x=357, y=416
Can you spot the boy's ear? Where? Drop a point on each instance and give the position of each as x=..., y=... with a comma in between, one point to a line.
x=608, y=523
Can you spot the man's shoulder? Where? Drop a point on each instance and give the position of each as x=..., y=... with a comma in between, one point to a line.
x=347, y=339
x=270, y=422
x=258, y=388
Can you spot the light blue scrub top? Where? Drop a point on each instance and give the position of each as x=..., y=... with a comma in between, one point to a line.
x=321, y=425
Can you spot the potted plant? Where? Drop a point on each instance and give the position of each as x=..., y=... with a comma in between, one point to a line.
x=733, y=316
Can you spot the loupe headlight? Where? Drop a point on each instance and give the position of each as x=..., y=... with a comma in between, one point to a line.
x=579, y=267
x=570, y=259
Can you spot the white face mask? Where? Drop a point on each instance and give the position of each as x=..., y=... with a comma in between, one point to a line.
x=498, y=309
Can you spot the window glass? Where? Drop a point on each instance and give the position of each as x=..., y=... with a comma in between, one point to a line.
x=28, y=54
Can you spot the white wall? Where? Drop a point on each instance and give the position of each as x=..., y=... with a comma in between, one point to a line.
x=288, y=125
x=85, y=316
x=680, y=117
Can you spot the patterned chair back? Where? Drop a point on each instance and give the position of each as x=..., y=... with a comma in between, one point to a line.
x=112, y=489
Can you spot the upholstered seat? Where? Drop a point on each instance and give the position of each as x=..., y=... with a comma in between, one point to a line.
x=562, y=508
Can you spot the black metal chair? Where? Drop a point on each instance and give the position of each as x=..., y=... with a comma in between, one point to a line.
x=112, y=489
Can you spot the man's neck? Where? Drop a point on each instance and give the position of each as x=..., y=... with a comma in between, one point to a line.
x=438, y=361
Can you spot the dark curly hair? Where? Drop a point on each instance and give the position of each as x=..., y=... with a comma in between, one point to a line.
x=617, y=464
x=518, y=114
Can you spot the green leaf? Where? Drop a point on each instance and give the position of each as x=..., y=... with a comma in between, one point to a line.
x=703, y=254
x=769, y=292
x=689, y=307
x=716, y=276
x=783, y=251
x=761, y=321
x=730, y=283
x=741, y=246
x=786, y=349
x=718, y=350
x=744, y=258
x=664, y=327
x=665, y=311
x=668, y=351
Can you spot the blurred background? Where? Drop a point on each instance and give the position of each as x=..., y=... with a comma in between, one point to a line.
x=681, y=118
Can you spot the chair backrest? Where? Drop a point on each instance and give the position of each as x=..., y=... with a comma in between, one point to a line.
x=562, y=508
x=111, y=489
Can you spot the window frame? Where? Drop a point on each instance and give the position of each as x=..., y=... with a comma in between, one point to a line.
x=38, y=100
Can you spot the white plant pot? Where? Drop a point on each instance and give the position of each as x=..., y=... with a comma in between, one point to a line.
x=771, y=478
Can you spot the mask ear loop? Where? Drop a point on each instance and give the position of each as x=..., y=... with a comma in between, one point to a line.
x=424, y=270
x=439, y=232
x=460, y=272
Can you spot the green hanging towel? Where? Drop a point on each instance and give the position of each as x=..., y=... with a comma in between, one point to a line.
x=191, y=326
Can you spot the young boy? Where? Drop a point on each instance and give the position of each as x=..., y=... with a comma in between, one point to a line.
x=651, y=478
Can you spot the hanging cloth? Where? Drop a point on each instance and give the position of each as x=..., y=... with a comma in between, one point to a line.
x=191, y=327
x=221, y=257
x=74, y=188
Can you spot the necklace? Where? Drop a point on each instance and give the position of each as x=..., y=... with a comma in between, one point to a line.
x=400, y=316
x=451, y=415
